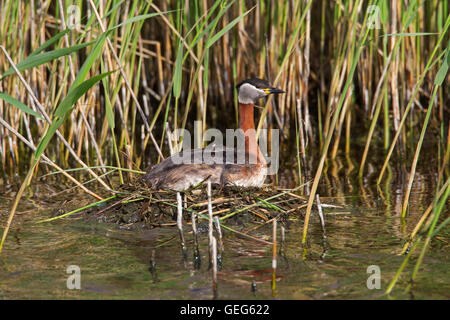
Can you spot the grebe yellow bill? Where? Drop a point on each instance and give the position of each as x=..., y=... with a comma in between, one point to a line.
x=226, y=169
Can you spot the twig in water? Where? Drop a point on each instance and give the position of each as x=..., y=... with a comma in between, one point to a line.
x=197, y=258
x=254, y=287
x=210, y=225
x=112, y=205
x=322, y=222
x=180, y=225
x=214, y=266
x=219, y=232
x=274, y=257
x=322, y=219
x=283, y=240
x=152, y=267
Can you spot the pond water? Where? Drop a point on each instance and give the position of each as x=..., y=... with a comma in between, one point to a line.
x=365, y=229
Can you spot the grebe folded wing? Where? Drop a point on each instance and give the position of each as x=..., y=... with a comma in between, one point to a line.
x=187, y=168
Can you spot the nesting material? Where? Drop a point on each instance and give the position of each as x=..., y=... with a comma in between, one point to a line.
x=139, y=207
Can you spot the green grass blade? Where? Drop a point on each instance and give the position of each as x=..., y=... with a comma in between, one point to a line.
x=49, y=42
x=211, y=25
x=108, y=106
x=90, y=59
x=64, y=108
x=227, y=28
x=177, y=75
x=441, y=74
x=37, y=60
x=439, y=228
x=78, y=210
x=94, y=167
x=141, y=17
x=406, y=34
x=18, y=104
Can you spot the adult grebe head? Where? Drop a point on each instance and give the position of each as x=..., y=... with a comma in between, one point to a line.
x=251, y=90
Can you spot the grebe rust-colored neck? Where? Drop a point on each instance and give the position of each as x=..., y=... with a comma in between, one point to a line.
x=246, y=120
x=247, y=124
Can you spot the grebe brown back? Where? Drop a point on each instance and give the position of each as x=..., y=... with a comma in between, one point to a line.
x=170, y=174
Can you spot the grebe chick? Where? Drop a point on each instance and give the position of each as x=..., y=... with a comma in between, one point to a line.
x=172, y=174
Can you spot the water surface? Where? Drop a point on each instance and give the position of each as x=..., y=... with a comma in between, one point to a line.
x=365, y=229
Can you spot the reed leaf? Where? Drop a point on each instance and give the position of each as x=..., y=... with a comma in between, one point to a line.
x=18, y=104
x=227, y=28
x=64, y=108
x=177, y=74
x=96, y=50
x=141, y=18
x=50, y=42
x=39, y=59
x=442, y=72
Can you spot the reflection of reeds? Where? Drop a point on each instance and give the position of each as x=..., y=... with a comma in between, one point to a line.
x=430, y=228
x=175, y=64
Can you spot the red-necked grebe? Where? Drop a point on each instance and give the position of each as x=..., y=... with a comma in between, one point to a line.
x=170, y=174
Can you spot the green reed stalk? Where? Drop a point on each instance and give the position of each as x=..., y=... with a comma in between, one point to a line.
x=416, y=89
x=333, y=125
x=416, y=154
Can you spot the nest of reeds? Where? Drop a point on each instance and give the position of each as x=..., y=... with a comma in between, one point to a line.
x=136, y=206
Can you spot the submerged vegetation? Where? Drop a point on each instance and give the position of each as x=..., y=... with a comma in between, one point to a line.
x=99, y=96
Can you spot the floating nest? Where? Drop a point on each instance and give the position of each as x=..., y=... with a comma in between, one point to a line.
x=137, y=207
